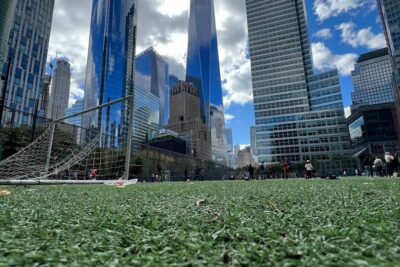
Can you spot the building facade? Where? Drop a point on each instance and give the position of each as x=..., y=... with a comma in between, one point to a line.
x=372, y=130
x=7, y=10
x=27, y=48
x=372, y=78
x=390, y=17
x=185, y=119
x=173, y=80
x=110, y=67
x=153, y=74
x=202, y=67
x=253, y=142
x=229, y=143
x=60, y=88
x=299, y=114
x=219, y=146
x=46, y=93
x=75, y=108
x=245, y=158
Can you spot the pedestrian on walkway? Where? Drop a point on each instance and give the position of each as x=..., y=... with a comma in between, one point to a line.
x=309, y=169
x=389, y=160
x=378, y=166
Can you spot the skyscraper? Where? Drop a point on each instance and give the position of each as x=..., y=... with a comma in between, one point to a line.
x=390, y=16
x=27, y=47
x=110, y=65
x=153, y=74
x=229, y=143
x=372, y=78
x=185, y=119
x=173, y=80
x=60, y=88
x=7, y=10
x=46, y=93
x=202, y=68
x=299, y=114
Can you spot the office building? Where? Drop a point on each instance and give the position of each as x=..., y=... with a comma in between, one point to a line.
x=146, y=118
x=60, y=88
x=27, y=48
x=229, y=143
x=46, y=93
x=173, y=80
x=185, y=119
x=202, y=68
x=372, y=130
x=219, y=146
x=229, y=138
x=372, y=78
x=253, y=143
x=245, y=158
x=299, y=115
x=75, y=108
x=390, y=17
x=7, y=10
x=110, y=67
x=152, y=71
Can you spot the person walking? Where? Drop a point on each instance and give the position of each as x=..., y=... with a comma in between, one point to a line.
x=251, y=172
x=397, y=163
x=309, y=169
x=378, y=165
x=285, y=167
x=389, y=160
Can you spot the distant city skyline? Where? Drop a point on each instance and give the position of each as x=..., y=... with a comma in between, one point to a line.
x=338, y=35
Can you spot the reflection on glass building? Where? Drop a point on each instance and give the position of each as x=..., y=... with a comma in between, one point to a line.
x=146, y=113
x=372, y=78
x=299, y=114
x=110, y=66
x=372, y=130
x=27, y=47
x=154, y=77
x=202, y=68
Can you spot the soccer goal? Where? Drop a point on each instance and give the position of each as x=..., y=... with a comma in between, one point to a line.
x=94, y=144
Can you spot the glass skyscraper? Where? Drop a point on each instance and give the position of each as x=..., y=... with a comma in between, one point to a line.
x=202, y=68
x=154, y=77
x=372, y=78
x=7, y=9
x=299, y=114
x=110, y=66
x=390, y=16
x=27, y=47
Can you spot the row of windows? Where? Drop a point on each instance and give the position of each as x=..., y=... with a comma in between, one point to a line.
x=277, y=97
x=279, y=89
x=274, y=105
x=269, y=113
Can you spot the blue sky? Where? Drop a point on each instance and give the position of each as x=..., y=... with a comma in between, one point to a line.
x=357, y=21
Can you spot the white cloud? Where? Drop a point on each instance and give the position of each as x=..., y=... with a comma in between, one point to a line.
x=347, y=112
x=325, y=9
x=229, y=117
x=324, y=59
x=324, y=33
x=364, y=37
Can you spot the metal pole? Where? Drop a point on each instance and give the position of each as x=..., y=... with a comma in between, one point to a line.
x=129, y=141
x=50, y=148
x=3, y=96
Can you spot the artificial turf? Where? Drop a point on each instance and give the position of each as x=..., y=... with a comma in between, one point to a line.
x=350, y=222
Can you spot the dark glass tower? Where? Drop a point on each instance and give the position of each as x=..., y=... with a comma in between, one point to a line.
x=110, y=66
x=202, y=67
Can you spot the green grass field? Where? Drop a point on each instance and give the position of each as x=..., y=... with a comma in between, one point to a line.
x=351, y=222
